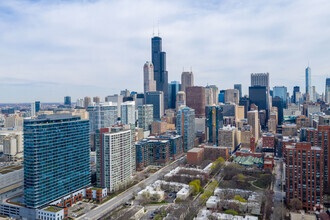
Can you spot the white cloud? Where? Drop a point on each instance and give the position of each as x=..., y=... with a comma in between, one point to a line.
x=104, y=44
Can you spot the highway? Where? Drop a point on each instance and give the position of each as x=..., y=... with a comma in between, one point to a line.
x=125, y=196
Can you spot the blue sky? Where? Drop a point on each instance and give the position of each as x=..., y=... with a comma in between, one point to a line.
x=50, y=49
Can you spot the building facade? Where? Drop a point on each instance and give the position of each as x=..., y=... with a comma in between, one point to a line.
x=145, y=116
x=187, y=80
x=304, y=174
x=214, y=122
x=56, y=158
x=116, y=159
x=195, y=99
x=160, y=72
x=149, y=84
x=185, y=125
x=127, y=112
x=102, y=115
x=157, y=100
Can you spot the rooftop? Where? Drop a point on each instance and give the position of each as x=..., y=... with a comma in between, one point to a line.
x=195, y=150
x=11, y=168
x=52, y=209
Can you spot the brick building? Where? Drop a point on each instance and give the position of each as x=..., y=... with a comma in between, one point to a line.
x=195, y=99
x=304, y=174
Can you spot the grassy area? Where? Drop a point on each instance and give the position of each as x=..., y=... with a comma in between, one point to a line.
x=52, y=209
x=259, y=184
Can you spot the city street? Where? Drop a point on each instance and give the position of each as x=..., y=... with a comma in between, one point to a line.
x=278, y=193
x=128, y=194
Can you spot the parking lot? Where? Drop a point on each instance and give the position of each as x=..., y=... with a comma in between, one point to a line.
x=80, y=208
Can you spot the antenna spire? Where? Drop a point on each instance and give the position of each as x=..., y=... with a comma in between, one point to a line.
x=158, y=27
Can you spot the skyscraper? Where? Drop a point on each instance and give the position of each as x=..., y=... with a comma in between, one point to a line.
x=115, y=152
x=173, y=89
x=327, y=90
x=180, y=100
x=187, y=80
x=308, y=80
x=115, y=99
x=87, y=102
x=145, y=117
x=253, y=120
x=214, y=121
x=195, y=99
x=185, y=124
x=67, y=100
x=280, y=91
x=149, y=84
x=258, y=96
x=128, y=112
x=102, y=115
x=262, y=79
x=160, y=72
x=56, y=158
x=304, y=174
x=156, y=98
x=294, y=95
x=232, y=96
x=96, y=99
x=239, y=88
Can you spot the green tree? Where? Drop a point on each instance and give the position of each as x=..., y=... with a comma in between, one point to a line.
x=295, y=204
x=231, y=212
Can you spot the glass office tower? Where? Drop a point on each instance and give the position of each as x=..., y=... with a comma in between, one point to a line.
x=56, y=158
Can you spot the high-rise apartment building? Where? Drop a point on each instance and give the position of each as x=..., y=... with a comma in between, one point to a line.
x=185, y=124
x=56, y=158
x=180, y=100
x=102, y=115
x=208, y=96
x=239, y=88
x=128, y=112
x=67, y=100
x=187, y=80
x=308, y=80
x=173, y=89
x=253, y=121
x=35, y=108
x=319, y=137
x=145, y=116
x=160, y=72
x=149, y=84
x=304, y=174
x=195, y=99
x=214, y=122
x=115, y=152
x=156, y=99
x=115, y=99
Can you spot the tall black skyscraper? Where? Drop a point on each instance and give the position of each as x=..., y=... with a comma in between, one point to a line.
x=159, y=62
x=295, y=89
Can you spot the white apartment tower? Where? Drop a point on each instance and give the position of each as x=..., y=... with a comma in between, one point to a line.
x=128, y=113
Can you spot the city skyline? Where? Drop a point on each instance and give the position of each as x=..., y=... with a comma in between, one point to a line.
x=87, y=58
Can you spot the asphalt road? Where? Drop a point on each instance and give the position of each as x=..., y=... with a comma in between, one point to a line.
x=127, y=195
x=278, y=193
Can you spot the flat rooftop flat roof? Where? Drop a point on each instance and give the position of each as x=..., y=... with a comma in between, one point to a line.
x=195, y=150
x=8, y=169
